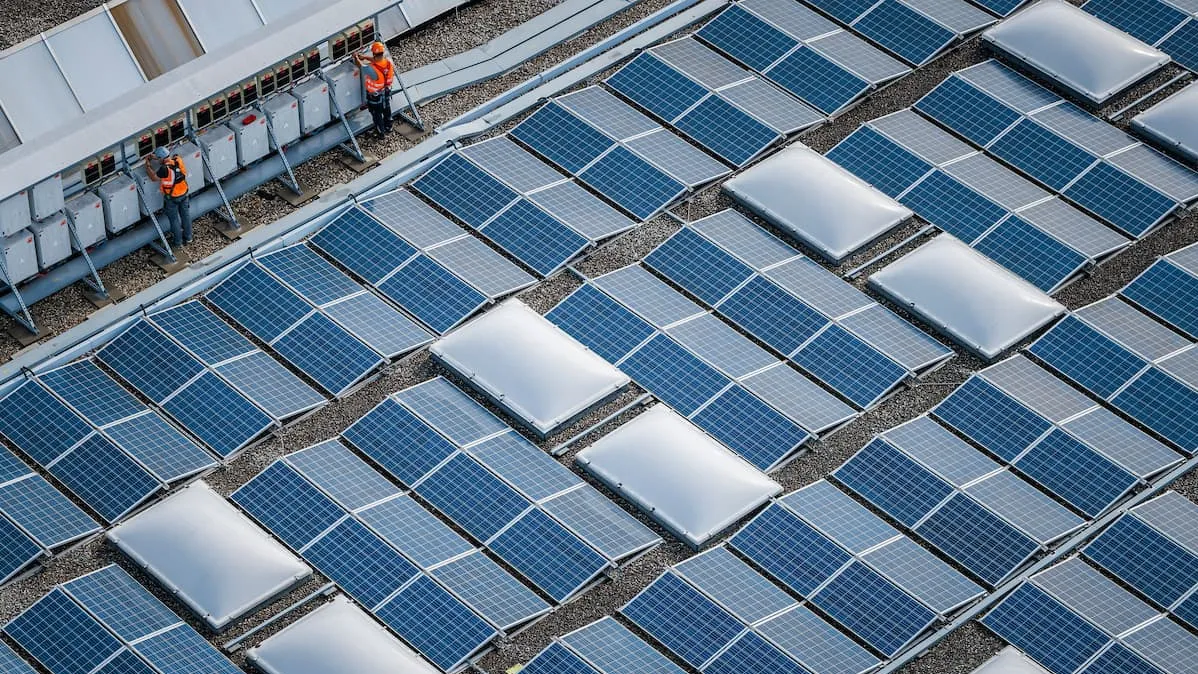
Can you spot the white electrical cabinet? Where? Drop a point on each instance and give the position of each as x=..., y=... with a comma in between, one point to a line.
x=52, y=240
x=221, y=145
x=253, y=142
x=121, y=208
x=313, y=97
x=347, y=86
x=14, y=214
x=149, y=188
x=20, y=256
x=45, y=198
x=283, y=111
x=87, y=211
x=193, y=161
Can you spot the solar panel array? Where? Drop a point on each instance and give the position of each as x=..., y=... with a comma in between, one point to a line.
x=1152, y=548
x=914, y=30
x=602, y=647
x=972, y=509
x=973, y=197
x=1079, y=451
x=190, y=392
x=718, y=615
x=1095, y=165
x=1139, y=366
x=105, y=622
x=419, y=260
x=801, y=51
x=532, y=512
x=1171, y=27
x=742, y=395
x=235, y=359
x=854, y=345
x=880, y=585
x=1071, y=618
x=438, y=592
x=1167, y=288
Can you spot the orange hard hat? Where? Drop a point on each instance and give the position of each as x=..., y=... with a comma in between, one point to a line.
x=378, y=48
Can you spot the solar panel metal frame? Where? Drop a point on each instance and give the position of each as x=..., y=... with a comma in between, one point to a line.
x=1129, y=290
x=956, y=33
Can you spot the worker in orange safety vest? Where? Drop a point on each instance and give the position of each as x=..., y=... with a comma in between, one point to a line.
x=378, y=74
x=176, y=196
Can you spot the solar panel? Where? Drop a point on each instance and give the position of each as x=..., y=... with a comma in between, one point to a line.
x=554, y=559
x=676, y=157
x=557, y=659
x=858, y=56
x=1143, y=336
x=959, y=17
x=512, y=164
x=454, y=636
x=216, y=414
x=799, y=398
x=480, y=266
x=160, y=447
x=1161, y=403
x=1087, y=357
x=476, y=500
x=534, y=237
x=61, y=636
x=751, y=428
x=745, y=240
x=289, y=506
x=1044, y=629
x=432, y=293
x=414, y=531
x=1093, y=596
x=12, y=663
x=524, y=465
x=790, y=550
x=893, y=482
x=1130, y=447
x=953, y=207
x=747, y=38
x=850, y=366
x=1042, y=154
x=838, y=516
x=874, y=609
x=720, y=345
x=657, y=87
x=879, y=161
x=682, y=619
x=360, y=562
x=1164, y=643
x=488, y=589
x=699, y=266
x=465, y=190
x=752, y=653
x=597, y=520
x=149, y=361
x=362, y=245
x=182, y=650
x=17, y=550
x=927, y=140
x=977, y=539
x=270, y=385
x=1182, y=45
x=120, y=603
x=996, y=182
x=200, y=331
x=731, y=133
x=1080, y=476
x=375, y=435
x=613, y=649
x=738, y=588
x=989, y=417
x=778, y=110
x=415, y=221
x=632, y=183
x=1137, y=211
x=675, y=376
x=342, y=475
x=1161, y=290
x=922, y=575
x=105, y=478
x=647, y=295
x=1155, y=169
x=1018, y=502
x=817, y=645
x=582, y=211
x=446, y=408
x=91, y=392
x=562, y=138
x=818, y=80
x=905, y=344
x=50, y=517
x=308, y=274
x=600, y=323
x=1074, y=228
x=921, y=37
x=963, y=107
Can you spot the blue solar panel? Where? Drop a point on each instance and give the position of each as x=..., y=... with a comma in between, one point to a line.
x=947, y=203
x=490, y=590
x=1147, y=20
x=524, y=466
x=535, y=238
x=789, y=550
x=11, y=663
x=381, y=327
x=614, y=649
x=44, y=512
x=105, y=478
x=1001, y=7
x=1125, y=202
x=258, y=302
x=465, y=190
x=435, y=623
x=1091, y=359
x=360, y=562
x=149, y=361
x=682, y=619
x=1038, y=625
x=1183, y=45
x=698, y=265
x=1118, y=659
x=1076, y=473
x=1165, y=290
x=126, y=663
x=92, y=393
x=967, y=110
x=217, y=415
x=733, y=584
x=363, y=245
x=879, y=161
x=873, y=608
x=183, y=651
x=726, y=130
x=414, y=531
x=752, y=653
x=17, y=549
x=10, y=466
x=977, y=539
x=818, y=80
x=1031, y=253
x=557, y=659
x=327, y=353
x=632, y=183
x=60, y=635
x=819, y=646
x=561, y=137
x=342, y=475
x=39, y=424
x=288, y=505
x=446, y=408
x=844, y=10
x=893, y=482
x=399, y=441
x=600, y=323
x=851, y=367
x=1165, y=405
x=747, y=38
x=1187, y=611
x=904, y=31
x=1145, y=559
x=772, y=315
x=751, y=428
x=674, y=375
x=271, y=385
x=602, y=523
x=476, y=500
x=1042, y=154
x=202, y=332
x=432, y=294
x=164, y=450
x=309, y=274
x=922, y=575
x=657, y=87
x=543, y=551
x=991, y=418
x=121, y=603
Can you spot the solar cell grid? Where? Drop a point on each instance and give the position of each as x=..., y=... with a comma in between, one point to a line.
x=323, y=350
x=682, y=161
x=992, y=419
x=1004, y=84
x=1142, y=557
x=480, y=266
x=557, y=659
x=747, y=38
x=1131, y=206
x=1166, y=644
x=953, y=206
x=17, y=550
x=683, y=620
x=694, y=59
x=817, y=645
x=1132, y=329
x=922, y=575
x=799, y=398
x=414, y=531
x=632, y=183
x=777, y=109
x=996, y=182
x=289, y=506
x=121, y=603
x=149, y=361
x=447, y=409
x=524, y=465
x=742, y=238
x=1042, y=154
x=1174, y=515
x=1163, y=404
x=879, y=161
x=607, y=113
x=977, y=539
x=1080, y=127
x=934, y=446
x=1044, y=629
x=550, y=556
x=962, y=107
x=720, y=345
x=216, y=414
x=561, y=137
x=202, y=332
x=731, y=133
x=454, y=636
x=873, y=608
x=893, y=482
x=1159, y=171
x=466, y=191
x=597, y=520
x=921, y=136
x=309, y=274
x=417, y=222
x=183, y=651
x=642, y=292
x=1127, y=445
x=45, y=512
x=38, y=424
x=380, y=433
x=796, y=19
x=1074, y=228
x=789, y=550
x=839, y=517
x=699, y=266
x=382, y=328
x=258, y=302
x=921, y=37
x=105, y=478
x=1118, y=658
x=12, y=663
x=362, y=245
x=162, y=448
x=1083, y=355
x=818, y=80
x=433, y=294
x=491, y=591
x=582, y=211
x=476, y=500
x=654, y=85
x=752, y=653
x=342, y=475
x=1077, y=474
x=905, y=344
x=1024, y=506
x=534, y=237
x=674, y=375
x=91, y=392
x=272, y=386
x=1087, y=592
x=61, y=636
x=959, y=17
x=750, y=427
x=125, y=663
x=512, y=164
x=851, y=367
x=859, y=57
x=616, y=650
x=360, y=562
x=1161, y=290
x=1182, y=45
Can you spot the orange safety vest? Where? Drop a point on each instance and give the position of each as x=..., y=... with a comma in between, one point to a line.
x=379, y=76
x=174, y=185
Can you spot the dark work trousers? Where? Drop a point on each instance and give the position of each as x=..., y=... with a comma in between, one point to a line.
x=380, y=110
x=178, y=212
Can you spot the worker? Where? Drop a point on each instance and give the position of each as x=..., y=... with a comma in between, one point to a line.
x=176, y=196
x=378, y=74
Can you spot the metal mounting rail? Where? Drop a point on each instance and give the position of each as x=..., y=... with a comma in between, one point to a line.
x=354, y=149
x=162, y=245
x=291, y=182
x=227, y=213
x=95, y=283
x=24, y=318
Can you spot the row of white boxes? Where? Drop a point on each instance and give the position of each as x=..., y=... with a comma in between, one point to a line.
x=34, y=227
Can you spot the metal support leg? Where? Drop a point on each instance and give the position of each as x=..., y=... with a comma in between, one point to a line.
x=162, y=246
x=355, y=150
x=95, y=283
x=292, y=183
x=25, y=319
x=414, y=119
x=227, y=214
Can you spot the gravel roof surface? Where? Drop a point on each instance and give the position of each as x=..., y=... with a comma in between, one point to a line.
x=962, y=651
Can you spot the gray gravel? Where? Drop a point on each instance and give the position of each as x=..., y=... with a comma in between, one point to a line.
x=960, y=652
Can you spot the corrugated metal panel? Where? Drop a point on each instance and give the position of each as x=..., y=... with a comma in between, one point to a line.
x=158, y=34
x=95, y=61
x=219, y=23
x=36, y=95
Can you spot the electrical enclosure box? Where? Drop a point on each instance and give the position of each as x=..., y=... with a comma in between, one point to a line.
x=20, y=256
x=221, y=145
x=14, y=214
x=253, y=142
x=149, y=188
x=45, y=198
x=193, y=160
x=347, y=86
x=283, y=111
x=51, y=240
x=121, y=208
x=87, y=212
x=313, y=97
